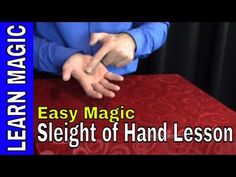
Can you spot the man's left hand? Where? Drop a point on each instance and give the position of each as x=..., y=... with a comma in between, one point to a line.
x=117, y=50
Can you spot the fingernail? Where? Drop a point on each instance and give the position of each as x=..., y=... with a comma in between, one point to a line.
x=64, y=78
x=112, y=95
x=89, y=70
x=117, y=88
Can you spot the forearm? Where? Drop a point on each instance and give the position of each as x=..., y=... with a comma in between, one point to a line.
x=148, y=37
x=49, y=56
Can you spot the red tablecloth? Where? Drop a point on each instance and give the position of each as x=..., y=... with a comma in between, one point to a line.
x=155, y=98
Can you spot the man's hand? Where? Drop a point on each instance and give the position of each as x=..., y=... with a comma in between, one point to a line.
x=95, y=85
x=117, y=50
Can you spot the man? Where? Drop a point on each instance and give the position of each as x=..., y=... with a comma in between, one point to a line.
x=95, y=53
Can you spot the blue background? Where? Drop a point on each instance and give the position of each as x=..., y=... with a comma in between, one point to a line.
x=4, y=88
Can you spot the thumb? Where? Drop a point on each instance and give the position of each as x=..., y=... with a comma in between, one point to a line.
x=66, y=74
x=97, y=37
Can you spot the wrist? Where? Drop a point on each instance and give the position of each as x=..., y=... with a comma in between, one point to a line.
x=131, y=38
x=77, y=54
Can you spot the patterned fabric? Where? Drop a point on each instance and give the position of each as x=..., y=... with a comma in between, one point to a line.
x=155, y=99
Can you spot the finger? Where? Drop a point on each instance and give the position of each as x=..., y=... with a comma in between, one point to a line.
x=108, y=59
x=108, y=85
x=99, y=88
x=123, y=63
x=93, y=94
x=113, y=77
x=96, y=37
x=117, y=60
x=66, y=73
x=98, y=57
x=90, y=91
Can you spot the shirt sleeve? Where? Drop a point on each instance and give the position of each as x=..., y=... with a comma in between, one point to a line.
x=148, y=36
x=49, y=56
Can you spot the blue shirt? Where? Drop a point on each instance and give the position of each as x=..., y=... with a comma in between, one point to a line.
x=54, y=43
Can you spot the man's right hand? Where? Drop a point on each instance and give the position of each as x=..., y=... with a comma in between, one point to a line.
x=95, y=85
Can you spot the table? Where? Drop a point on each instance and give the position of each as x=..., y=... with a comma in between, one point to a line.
x=155, y=98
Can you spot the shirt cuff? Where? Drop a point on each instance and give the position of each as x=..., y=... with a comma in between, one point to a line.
x=138, y=38
x=59, y=55
x=63, y=54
